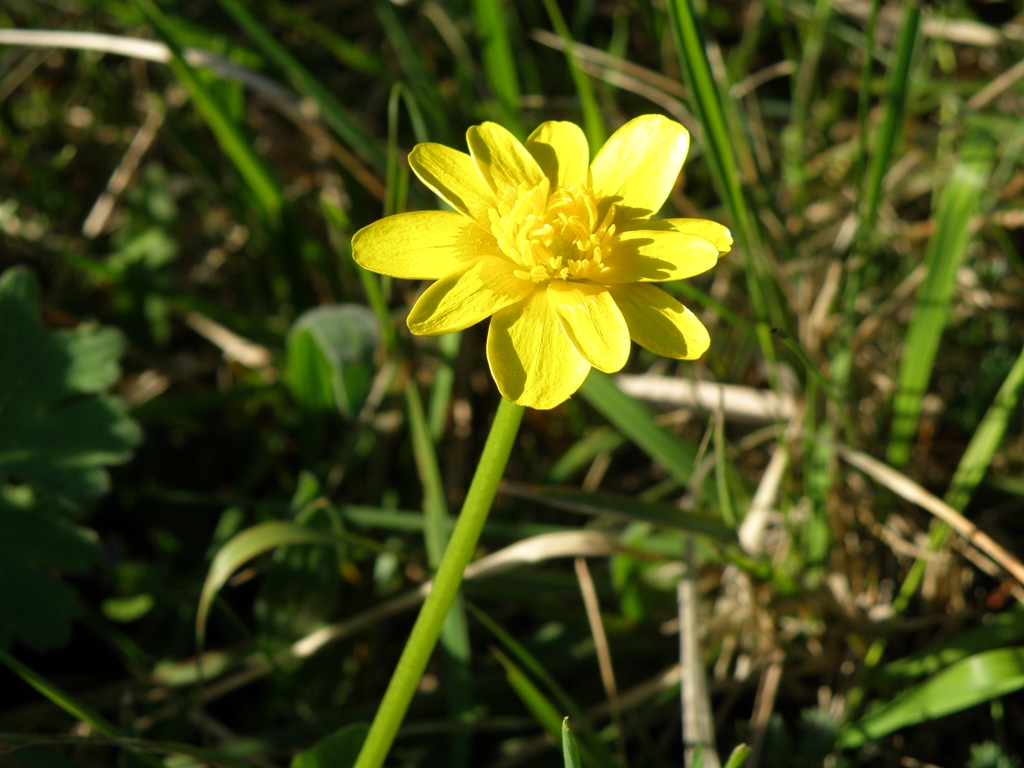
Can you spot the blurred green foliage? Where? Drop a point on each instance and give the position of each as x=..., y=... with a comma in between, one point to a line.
x=59, y=431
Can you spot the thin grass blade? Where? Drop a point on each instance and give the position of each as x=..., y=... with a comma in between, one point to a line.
x=627, y=509
x=706, y=103
x=593, y=122
x=60, y=697
x=242, y=548
x=332, y=110
x=570, y=752
x=637, y=423
x=974, y=680
x=498, y=62
x=265, y=188
x=958, y=204
x=897, y=88
x=1004, y=629
x=547, y=714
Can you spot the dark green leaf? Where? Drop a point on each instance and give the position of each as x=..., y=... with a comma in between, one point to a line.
x=335, y=751
x=331, y=358
x=51, y=436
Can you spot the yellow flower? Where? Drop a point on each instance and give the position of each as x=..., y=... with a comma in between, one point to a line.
x=558, y=251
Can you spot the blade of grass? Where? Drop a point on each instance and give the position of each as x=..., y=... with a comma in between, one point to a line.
x=897, y=88
x=625, y=508
x=570, y=751
x=794, y=135
x=498, y=62
x=68, y=703
x=970, y=471
x=738, y=756
x=593, y=123
x=333, y=112
x=1004, y=629
x=397, y=189
x=590, y=744
x=245, y=546
x=864, y=94
x=974, y=680
x=725, y=504
x=879, y=157
x=339, y=229
x=397, y=175
x=60, y=697
x=582, y=454
x=347, y=53
x=407, y=53
x=542, y=709
x=140, y=748
x=637, y=423
x=257, y=176
x=705, y=101
x=958, y=203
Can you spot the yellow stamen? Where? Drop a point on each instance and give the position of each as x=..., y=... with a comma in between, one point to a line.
x=557, y=236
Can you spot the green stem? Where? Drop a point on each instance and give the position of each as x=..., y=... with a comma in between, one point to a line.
x=460, y=550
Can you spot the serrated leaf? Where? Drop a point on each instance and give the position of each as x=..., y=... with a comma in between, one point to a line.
x=331, y=358
x=58, y=433
x=53, y=436
x=36, y=546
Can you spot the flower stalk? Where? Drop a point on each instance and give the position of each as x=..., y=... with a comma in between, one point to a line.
x=459, y=552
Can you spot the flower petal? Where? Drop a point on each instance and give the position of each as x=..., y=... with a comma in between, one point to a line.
x=501, y=160
x=660, y=323
x=658, y=252
x=640, y=163
x=458, y=301
x=709, y=230
x=453, y=177
x=421, y=245
x=593, y=323
x=532, y=360
x=561, y=150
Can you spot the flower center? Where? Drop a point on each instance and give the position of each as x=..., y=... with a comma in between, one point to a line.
x=560, y=236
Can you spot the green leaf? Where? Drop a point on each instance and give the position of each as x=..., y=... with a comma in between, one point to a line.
x=1004, y=629
x=331, y=358
x=265, y=188
x=738, y=757
x=242, y=548
x=958, y=203
x=593, y=124
x=54, y=435
x=329, y=106
x=974, y=680
x=499, y=60
x=37, y=545
x=570, y=752
x=725, y=145
x=629, y=508
x=544, y=710
x=339, y=749
x=637, y=422
x=58, y=434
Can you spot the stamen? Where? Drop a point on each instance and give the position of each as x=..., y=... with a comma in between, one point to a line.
x=555, y=236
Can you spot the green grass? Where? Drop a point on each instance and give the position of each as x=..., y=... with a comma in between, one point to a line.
x=293, y=489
